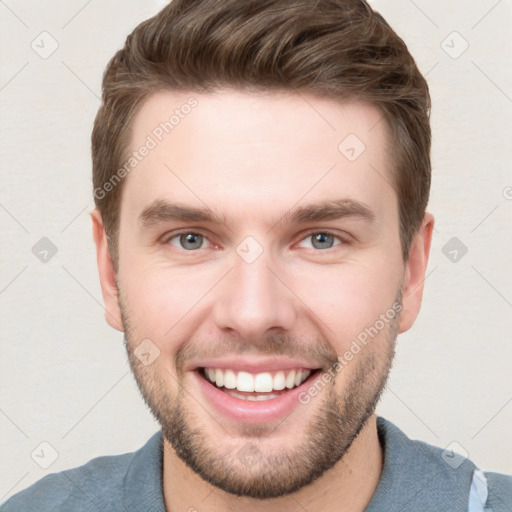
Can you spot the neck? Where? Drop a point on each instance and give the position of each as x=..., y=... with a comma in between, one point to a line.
x=348, y=486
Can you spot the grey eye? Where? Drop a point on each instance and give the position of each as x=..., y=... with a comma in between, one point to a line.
x=188, y=241
x=322, y=240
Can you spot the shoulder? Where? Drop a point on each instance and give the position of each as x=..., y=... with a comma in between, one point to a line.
x=95, y=486
x=499, y=488
x=419, y=476
x=420, y=458
x=86, y=488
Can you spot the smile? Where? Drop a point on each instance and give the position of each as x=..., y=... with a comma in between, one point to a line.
x=251, y=390
x=246, y=382
x=256, y=387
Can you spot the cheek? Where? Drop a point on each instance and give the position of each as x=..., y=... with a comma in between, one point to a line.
x=161, y=302
x=346, y=300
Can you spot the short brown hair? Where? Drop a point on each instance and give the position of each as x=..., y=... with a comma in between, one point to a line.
x=339, y=49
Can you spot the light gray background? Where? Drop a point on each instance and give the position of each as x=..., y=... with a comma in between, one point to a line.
x=64, y=374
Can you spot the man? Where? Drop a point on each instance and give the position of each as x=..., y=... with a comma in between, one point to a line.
x=261, y=174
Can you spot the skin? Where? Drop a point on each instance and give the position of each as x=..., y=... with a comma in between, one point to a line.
x=252, y=158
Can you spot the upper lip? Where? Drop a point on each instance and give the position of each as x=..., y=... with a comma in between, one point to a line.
x=253, y=365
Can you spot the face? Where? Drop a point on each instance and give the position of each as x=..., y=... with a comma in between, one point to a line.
x=260, y=281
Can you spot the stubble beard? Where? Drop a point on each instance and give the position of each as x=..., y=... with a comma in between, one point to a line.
x=247, y=468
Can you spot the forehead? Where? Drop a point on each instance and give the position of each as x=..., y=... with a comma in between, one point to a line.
x=233, y=149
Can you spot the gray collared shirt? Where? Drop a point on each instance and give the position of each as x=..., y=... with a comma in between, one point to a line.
x=416, y=477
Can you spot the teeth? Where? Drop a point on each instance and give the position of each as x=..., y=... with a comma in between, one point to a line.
x=244, y=382
x=290, y=380
x=255, y=398
x=279, y=381
x=230, y=379
x=219, y=378
x=260, y=383
x=263, y=383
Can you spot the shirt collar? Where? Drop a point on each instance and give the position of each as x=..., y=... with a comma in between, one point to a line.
x=414, y=475
x=418, y=476
x=142, y=485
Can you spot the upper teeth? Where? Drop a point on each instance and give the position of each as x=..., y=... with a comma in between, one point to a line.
x=259, y=382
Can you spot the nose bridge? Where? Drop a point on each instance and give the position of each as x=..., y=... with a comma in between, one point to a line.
x=252, y=299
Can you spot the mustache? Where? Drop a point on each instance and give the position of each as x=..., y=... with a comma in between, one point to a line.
x=319, y=353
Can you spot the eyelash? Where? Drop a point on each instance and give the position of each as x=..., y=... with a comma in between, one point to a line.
x=343, y=241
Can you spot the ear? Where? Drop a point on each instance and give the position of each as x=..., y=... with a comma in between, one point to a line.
x=414, y=276
x=107, y=273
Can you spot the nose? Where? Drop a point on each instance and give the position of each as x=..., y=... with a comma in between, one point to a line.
x=254, y=299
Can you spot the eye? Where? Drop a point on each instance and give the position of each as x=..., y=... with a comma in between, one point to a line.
x=322, y=240
x=187, y=240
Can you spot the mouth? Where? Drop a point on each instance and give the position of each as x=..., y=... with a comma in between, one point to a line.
x=256, y=387
x=260, y=391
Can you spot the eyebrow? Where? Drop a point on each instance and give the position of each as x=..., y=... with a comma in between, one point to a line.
x=161, y=211
x=328, y=210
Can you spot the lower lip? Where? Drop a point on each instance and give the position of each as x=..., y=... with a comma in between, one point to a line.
x=254, y=412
